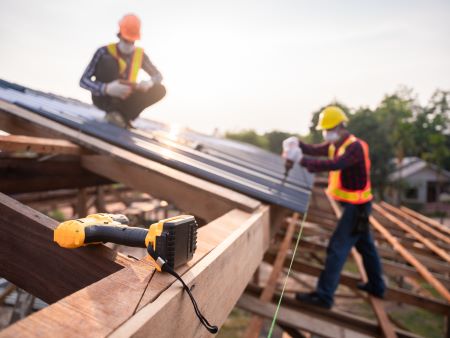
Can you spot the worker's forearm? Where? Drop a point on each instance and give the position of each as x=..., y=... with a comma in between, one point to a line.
x=97, y=88
x=314, y=149
x=315, y=165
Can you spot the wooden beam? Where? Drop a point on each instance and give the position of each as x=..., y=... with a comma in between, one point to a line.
x=389, y=267
x=296, y=319
x=427, y=220
x=342, y=319
x=190, y=189
x=18, y=126
x=21, y=175
x=171, y=185
x=31, y=260
x=411, y=259
x=255, y=325
x=136, y=301
x=377, y=304
x=350, y=280
x=426, y=228
x=429, y=244
x=20, y=143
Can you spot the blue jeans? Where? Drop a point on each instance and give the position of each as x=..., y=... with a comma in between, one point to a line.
x=340, y=244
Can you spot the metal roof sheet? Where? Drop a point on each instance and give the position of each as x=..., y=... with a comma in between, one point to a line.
x=235, y=165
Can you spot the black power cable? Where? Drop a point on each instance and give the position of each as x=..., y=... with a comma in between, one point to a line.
x=167, y=268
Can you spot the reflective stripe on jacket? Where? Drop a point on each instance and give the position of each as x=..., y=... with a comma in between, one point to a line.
x=335, y=188
x=136, y=61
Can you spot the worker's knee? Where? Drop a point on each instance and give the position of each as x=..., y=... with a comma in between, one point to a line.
x=159, y=91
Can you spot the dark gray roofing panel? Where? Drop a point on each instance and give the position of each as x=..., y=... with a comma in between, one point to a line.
x=235, y=165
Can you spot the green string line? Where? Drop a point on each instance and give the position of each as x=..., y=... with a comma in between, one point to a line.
x=289, y=271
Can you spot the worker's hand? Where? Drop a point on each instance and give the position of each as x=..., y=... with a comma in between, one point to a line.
x=291, y=150
x=143, y=86
x=118, y=89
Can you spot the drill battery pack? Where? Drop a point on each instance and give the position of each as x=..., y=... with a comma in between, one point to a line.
x=178, y=240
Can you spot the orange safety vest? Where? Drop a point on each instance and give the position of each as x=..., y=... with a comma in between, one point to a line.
x=335, y=189
x=136, y=61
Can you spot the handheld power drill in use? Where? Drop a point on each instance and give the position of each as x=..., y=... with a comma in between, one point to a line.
x=170, y=242
x=291, y=155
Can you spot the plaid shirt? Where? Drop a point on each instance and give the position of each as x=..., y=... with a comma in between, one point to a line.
x=351, y=162
x=98, y=88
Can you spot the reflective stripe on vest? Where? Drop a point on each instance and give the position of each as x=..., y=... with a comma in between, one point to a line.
x=335, y=188
x=136, y=61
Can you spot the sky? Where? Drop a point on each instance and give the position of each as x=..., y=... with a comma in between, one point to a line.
x=239, y=64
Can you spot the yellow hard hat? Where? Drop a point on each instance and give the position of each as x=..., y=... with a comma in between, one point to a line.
x=331, y=117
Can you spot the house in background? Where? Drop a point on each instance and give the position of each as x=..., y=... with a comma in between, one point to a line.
x=420, y=185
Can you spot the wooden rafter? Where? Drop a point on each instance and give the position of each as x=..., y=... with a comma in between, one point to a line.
x=423, y=226
x=422, y=239
x=427, y=220
x=341, y=319
x=117, y=159
x=350, y=280
x=136, y=300
x=20, y=143
x=255, y=325
x=31, y=260
x=377, y=304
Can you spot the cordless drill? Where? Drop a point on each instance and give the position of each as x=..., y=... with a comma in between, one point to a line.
x=170, y=242
x=173, y=240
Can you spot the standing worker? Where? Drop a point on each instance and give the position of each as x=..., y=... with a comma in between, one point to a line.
x=115, y=70
x=348, y=164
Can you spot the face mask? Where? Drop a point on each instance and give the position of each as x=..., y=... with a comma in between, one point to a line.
x=330, y=136
x=125, y=47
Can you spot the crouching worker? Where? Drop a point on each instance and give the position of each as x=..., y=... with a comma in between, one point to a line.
x=348, y=164
x=111, y=76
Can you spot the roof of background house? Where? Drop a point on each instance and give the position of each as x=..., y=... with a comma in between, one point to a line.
x=235, y=165
x=412, y=165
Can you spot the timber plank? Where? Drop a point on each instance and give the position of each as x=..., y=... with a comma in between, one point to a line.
x=31, y=260
x=109, y=303
x=224, y=199
x=294, y=319
x=255, y=325
x=427, y=220
x=350, y=280
x=429, y=244
x=210, y=239
x=426, y=228
x=424, y=272
x=389, y=267
x=20, y=143
x=219, y=279
x=171, y=185
x=343, y=320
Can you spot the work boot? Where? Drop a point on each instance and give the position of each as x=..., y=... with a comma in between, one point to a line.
x=366, y=287
x=312, y=298
x=116, y=118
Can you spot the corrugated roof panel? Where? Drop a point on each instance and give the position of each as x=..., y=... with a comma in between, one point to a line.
x=235, y=165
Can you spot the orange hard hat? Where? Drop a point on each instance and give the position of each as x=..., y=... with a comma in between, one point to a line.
x=130, y=27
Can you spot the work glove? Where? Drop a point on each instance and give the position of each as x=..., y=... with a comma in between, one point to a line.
x=143, y=86
x=118, y=89
x=291, y=151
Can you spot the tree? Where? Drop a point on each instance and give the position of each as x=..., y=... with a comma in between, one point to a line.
x=365, y=125
x=395, y=116
x=275, y=139
x=432, y=130
x=432, y=133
